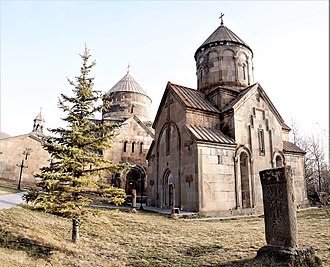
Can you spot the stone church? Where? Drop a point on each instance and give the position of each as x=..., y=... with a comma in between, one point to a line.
x=25, y=150
x=129, y=105
x=211, y=142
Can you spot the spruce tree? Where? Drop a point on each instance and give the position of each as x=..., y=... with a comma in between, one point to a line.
x=77, y=168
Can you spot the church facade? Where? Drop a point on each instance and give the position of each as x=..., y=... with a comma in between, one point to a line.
x=211, y=142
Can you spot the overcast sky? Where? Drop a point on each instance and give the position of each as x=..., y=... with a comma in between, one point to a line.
x=41, y=42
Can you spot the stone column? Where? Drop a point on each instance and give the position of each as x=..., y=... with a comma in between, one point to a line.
x=133, y=208
x=281, y=222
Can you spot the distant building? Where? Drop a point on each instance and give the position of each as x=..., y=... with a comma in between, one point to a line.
x=23, y=149
x=211, y=143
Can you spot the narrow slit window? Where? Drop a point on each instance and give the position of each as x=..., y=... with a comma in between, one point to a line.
x=141, y=147
x=168, y=137
x=133, y=146
x=125, y=146
x=261, y=136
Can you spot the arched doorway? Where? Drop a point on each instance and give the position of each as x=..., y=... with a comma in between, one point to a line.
x=245, y=181
x=168, y=190
x=132, y=181
x=135, y=179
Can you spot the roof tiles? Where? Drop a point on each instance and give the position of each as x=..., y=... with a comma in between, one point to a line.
x=290, y=147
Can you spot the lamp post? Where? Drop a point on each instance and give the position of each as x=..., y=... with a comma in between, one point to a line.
x=26, y=153
x=142, y=186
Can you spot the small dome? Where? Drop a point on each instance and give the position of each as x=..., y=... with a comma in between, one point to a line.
x=128, y=84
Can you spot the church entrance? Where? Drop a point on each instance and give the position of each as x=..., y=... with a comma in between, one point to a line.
x=245, y=181
x=132, y=181
x=168, y=190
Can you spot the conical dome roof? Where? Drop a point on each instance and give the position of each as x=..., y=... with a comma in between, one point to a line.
x=222, y=35
x=128, y=84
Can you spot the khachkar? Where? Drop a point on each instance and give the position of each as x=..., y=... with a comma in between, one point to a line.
x=281, y=222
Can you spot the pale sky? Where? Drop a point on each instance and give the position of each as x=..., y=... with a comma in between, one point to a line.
x=41, y=42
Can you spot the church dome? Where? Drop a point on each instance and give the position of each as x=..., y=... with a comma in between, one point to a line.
x=127, y=84
x=225, y=60
x=126, y=99
x=222, y=35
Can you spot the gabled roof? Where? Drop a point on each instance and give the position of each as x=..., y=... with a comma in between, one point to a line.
x=222, y=35
x=290, y=147
x=246, y=94
x=190, y=98
x=128, y=84
x=209, y=135
x=193, y=98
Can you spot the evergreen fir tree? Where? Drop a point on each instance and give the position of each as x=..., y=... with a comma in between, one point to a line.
x=75, y=174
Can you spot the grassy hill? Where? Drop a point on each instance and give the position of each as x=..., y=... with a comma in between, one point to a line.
x=116, y=238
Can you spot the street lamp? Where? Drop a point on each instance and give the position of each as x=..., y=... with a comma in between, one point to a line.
x=26, y=152
x=142, y=186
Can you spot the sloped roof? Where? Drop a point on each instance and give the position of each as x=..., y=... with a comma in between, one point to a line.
x=290, y=147
x=223, y=35
x=209, y=135
x=128, y=84
x=193, y=98
x=189, y=97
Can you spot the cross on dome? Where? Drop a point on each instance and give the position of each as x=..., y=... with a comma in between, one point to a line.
x=221, y=18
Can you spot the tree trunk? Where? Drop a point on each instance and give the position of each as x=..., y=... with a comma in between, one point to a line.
x=75, y=229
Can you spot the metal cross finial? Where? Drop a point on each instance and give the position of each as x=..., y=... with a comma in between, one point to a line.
x=221, y=18
x=128, y=68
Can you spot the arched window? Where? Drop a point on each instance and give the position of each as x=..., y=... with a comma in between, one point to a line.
x=279, y=161
x=244, y=71
x=133, y=145
x=125, y=146
x=141, y=147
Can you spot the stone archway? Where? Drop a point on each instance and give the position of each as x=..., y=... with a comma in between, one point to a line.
x=135, y=179
x=132, y=181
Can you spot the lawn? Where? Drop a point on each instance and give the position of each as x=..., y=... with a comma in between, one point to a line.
x=116, y=238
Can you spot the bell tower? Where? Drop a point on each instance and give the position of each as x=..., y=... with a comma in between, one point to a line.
x=38, y=124
x=224, y=60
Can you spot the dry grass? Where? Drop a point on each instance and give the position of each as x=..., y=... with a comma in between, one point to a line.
x=8, y=190
x=116, y=238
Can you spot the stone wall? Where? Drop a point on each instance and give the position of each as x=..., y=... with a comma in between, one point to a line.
x=216, y=179
x=11, y=155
